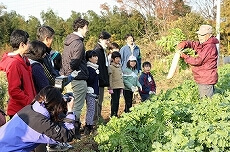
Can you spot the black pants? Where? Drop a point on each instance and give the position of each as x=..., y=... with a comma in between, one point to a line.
x=115, y=97
x=128, y=95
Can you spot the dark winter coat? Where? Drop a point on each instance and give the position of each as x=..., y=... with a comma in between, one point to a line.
x=73, y=57
x=103, y=75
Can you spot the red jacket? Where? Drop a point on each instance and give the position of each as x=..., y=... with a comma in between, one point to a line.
x=20, y=84
x=204, y=66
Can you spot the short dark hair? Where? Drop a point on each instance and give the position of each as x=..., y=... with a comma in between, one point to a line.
x=36, y=50
x=113, y=45
x=79, y=23
x=44, y=31
x=128, y=35
x=90, y=54
x=146, y=64
x=104, y=35
x=115, y=54
x=17, y=37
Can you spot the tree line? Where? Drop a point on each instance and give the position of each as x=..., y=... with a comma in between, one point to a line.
x=147, y=20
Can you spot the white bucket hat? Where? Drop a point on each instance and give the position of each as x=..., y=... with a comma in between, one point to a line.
x=204, y=29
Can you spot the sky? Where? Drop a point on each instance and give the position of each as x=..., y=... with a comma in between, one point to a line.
x=63, y=8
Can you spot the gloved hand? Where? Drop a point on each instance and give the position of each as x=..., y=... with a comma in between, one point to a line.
x=110, y=91
x=133, y=89
x=152, y=92
x=75, y=73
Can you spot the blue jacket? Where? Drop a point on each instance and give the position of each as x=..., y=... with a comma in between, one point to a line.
x=125, y=52
x=32, y=126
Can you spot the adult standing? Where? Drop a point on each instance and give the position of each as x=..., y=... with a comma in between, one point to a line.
x=73, y=58
x=130, y=49
x=18, y=70
x=100, y=49
x=204, y=66
x=45, y=34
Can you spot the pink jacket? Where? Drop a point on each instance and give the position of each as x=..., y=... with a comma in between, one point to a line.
x=204, y=66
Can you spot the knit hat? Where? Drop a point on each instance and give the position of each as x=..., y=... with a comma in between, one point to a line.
x=204, y=29
x=132, y=58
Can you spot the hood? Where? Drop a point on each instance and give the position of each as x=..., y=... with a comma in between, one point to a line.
x=8, y=59
x=72, y=37
x=212, y=40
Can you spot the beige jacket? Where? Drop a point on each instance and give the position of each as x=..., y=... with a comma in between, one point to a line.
x=115, y=76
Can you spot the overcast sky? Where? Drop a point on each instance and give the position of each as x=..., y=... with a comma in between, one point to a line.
x=63, y=8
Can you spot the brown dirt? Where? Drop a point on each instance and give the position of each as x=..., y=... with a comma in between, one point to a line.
x=87, y=143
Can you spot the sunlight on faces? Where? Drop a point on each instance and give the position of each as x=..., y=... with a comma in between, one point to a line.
x=130, y=40
x=133, y=63
x=84, y=30
x=25, y=47
x=93, y=59
x=48, y=41
x=146, y=69
x=117, y=60
x=204, y=38
x=105, y=42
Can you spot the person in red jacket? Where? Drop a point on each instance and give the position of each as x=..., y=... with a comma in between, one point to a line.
x=18, y=70
x=204, y=65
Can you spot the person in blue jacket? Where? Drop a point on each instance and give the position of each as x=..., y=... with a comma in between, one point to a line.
x=40, y=123
x=130, y=49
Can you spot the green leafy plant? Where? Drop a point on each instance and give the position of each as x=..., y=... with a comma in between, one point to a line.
x=170, y=42
x=175, y=120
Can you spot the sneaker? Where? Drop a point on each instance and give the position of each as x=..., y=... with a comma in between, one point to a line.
x=68, y=145
x=58, y=147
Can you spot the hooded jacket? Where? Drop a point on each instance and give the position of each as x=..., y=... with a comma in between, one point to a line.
x=20, y=83
x=204, y=66
x=73, y=57
x=32, y=126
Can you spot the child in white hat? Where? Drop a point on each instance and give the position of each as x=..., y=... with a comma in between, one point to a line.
x=131, y=82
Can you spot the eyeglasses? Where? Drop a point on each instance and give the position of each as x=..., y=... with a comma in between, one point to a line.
x=202, y=35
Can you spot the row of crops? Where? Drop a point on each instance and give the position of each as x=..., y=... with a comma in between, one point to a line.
x=175, y=120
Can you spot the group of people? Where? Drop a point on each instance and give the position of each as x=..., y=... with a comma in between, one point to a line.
x=31, y=69
x=38, y=111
